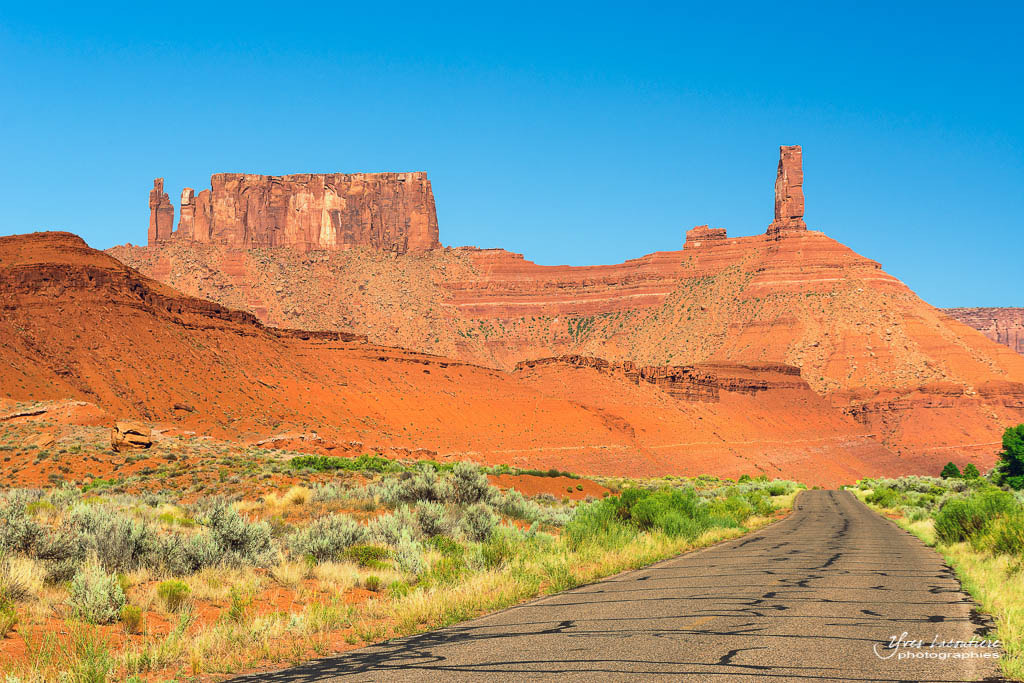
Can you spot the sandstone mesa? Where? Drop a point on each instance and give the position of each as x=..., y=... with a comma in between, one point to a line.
x=308, y=211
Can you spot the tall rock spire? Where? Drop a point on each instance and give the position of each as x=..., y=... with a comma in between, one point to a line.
x=161, y=213
x=789, y=191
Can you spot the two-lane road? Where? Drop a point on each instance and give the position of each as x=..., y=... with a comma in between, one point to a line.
x=811, y=597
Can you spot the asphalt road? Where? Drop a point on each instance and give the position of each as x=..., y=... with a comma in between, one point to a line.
x=811, y=597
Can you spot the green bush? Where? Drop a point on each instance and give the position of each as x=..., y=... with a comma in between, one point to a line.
x=961, y=518
x=370, y=556
x=971, y=471
x=372, y=583
x=327, y=463
x=884, y=497
x=173, y=593
x=599, y=523
x=1005, y=535
x=96, y=596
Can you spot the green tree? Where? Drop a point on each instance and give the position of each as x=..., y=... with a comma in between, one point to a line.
x=971, y=472
x=1010, y=468
x=950, y=471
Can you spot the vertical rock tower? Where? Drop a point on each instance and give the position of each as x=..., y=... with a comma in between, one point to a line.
x=789, y=192
x=161, y=213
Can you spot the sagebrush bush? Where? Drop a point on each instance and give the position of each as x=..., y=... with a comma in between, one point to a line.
x=239, y=541
x=432, y=518
x=478, y=521
x=409, y=554
x=469, y=485
x=389, y=529
x=327, y=538
x=96, y=596
x=18, y=531
x=120, y=544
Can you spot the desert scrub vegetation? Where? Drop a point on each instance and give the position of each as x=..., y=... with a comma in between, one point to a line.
x=101, y=585
x=977, y=525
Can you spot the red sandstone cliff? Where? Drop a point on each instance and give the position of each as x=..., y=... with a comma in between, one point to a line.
x=309, y=211
x=1002, y=325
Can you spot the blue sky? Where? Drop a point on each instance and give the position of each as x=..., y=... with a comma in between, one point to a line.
x=573, y=133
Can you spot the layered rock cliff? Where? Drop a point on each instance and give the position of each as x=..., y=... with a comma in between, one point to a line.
x=391, y=212
x=863, y=341
x=1002, y=325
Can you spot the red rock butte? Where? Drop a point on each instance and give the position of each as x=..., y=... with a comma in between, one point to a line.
x=391, y=212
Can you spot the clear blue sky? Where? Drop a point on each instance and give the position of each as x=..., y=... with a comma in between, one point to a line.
x=577, y=134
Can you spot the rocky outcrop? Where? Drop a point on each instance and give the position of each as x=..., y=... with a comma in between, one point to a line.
x=1002, y=325
x=702, y=382
x=130, y=435
x=698, y=236
x=391, y=212
x=789, y=192
x=161, y=213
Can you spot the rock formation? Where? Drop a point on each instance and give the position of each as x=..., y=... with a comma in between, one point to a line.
x=130, y=435
x=161, y=213
x=702, y=233
x=695, y=383
x=391, y=212
x=922, y=382
x=789, y=192
x=1001, y=325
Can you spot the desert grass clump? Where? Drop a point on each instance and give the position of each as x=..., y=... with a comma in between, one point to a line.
x=8, y=618
x=297, y=496
x=14, y=585
x=96, y=597
x=173, y=594
x=131, y=618
x=327, y=538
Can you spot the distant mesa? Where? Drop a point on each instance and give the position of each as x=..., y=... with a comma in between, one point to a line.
x=391, y=212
